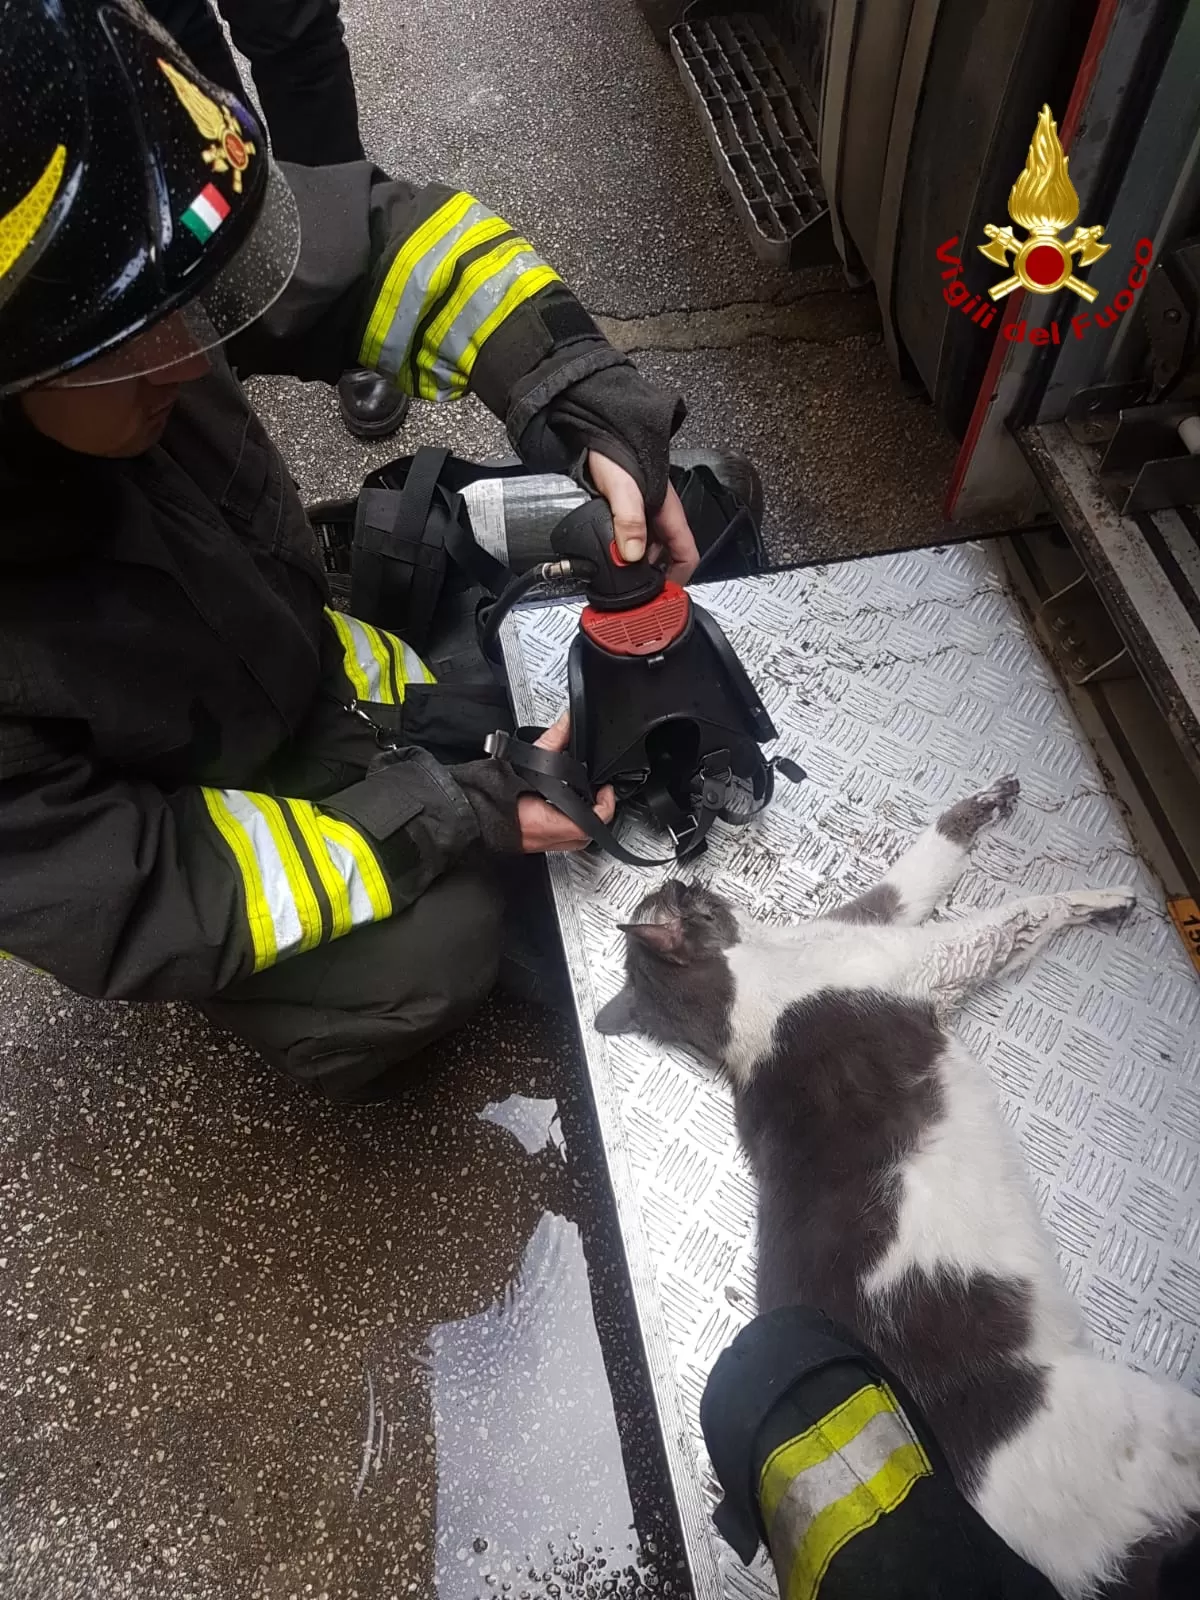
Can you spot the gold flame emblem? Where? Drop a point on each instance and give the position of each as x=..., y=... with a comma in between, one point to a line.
x=229, y=149
x=1043, y=200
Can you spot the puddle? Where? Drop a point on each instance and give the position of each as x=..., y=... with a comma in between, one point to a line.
x=533, y=1122
x=532, y=1499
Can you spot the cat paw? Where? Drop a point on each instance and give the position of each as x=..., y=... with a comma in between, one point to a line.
x=1107, y=908
x=963, y=821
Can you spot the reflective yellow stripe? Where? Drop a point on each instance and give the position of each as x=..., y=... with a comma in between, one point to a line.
x=365, y=667
x=824, y=1439
x=378, y=664
x=837, y=1524
x=490, y=289
x=366, y=872
x=282, y=905
x=401, y=269
x=358, y=678
x=258, y=911
x=306, y=819
x=397, y=647
x=471, y=239
x=525, y=287
x=308, y=907
x=19, y=227
x=390, y=692
x=417, y=671
x=818, y=1490
x=489, y=269
x=406, y=663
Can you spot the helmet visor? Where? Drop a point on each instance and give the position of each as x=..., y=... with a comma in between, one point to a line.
x=250, y=282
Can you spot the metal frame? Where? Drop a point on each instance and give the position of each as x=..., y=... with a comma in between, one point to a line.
x=839, y=59
x=1147, y=611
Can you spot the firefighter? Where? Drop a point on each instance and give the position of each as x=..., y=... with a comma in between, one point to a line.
x=195, y=800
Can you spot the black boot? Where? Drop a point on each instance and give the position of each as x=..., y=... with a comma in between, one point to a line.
x=371, y=406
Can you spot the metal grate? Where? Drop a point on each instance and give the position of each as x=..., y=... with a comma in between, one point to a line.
x=750, y=100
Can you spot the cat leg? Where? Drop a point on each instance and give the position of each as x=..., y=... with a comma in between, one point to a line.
x=933, y=864
x=954, y=957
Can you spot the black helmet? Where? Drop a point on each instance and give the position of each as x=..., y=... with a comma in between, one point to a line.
x=130, y=188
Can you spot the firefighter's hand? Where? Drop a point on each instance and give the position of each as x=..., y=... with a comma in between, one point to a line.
x=671, y=534
x=542, y=827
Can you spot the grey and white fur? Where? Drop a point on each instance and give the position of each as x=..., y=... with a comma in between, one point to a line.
x=893, y=1196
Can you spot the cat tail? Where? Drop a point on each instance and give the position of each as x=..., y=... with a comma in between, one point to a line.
x=1109, y=1464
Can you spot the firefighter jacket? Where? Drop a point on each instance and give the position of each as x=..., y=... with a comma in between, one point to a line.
x=166, y=646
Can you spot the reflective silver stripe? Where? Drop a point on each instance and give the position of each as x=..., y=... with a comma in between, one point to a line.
x=379, y=665
x=450, y=347
x=346, y=867
x=273, y=879
x=414, y=292
x=372, y=662
x=821, y=1485
x=828, y=1503
x=414, y=669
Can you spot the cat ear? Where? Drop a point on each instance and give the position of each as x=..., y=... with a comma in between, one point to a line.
x=617, y=1015
x=664, y=938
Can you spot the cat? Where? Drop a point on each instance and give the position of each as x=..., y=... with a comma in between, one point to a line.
x=893, y=1196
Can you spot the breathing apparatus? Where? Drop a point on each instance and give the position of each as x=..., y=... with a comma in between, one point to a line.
x=660, y=706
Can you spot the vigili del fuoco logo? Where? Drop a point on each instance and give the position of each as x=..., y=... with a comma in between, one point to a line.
x=1044, y=203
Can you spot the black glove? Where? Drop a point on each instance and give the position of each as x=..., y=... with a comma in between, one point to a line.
x=618, y=413
x=492, y=790
x=575, y=393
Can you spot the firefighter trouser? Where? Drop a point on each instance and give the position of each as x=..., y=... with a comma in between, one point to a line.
x=349, y=1017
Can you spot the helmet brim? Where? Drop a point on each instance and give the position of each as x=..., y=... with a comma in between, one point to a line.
x=248, y=285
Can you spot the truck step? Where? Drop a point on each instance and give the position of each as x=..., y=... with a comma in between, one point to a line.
x=752, y=106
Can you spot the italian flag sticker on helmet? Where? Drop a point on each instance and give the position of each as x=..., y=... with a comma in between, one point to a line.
x=206, y=213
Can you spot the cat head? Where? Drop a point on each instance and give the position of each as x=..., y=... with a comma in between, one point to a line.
x=678, y=986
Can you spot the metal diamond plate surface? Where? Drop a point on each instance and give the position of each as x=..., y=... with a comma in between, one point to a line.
x=901, y=683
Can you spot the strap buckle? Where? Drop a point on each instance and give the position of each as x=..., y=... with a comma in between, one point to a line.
x=680, y=839
x=382, y=737
x=497, y=744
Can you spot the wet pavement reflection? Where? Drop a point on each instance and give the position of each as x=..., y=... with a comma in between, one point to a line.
x=531, y=1488
x=535, y=1123
x=253, y=1345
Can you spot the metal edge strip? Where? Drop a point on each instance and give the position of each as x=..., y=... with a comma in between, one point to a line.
x=694, y=1520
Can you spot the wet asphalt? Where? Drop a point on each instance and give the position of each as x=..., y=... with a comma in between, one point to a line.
x=255, y=1346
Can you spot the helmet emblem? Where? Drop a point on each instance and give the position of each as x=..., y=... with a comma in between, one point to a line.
x=228, y=149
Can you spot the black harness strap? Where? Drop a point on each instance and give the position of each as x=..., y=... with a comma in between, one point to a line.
x=462, y=548
x=402, y=539
x=399, y=564
x=564, y=783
